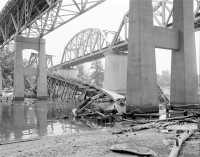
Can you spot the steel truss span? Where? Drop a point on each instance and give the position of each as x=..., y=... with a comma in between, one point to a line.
x=73, y=89
x=87, y=45
x=36, y=18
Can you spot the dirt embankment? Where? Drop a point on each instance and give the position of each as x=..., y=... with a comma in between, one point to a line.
x=97, y=143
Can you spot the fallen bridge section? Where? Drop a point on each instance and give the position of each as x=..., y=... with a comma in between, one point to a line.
x=70, y=89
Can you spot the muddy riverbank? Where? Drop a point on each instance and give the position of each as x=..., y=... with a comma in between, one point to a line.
x=97, y=143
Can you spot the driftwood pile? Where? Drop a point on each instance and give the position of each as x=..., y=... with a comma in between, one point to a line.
x=164, y=125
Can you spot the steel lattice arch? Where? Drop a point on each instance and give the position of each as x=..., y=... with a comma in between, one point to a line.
x=87, y=42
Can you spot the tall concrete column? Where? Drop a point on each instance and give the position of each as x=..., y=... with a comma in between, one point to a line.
x=18, y=70
x=42, y=75
x=69, y=72
x=199, y=66
x=115, y=74
x=141, y=72
x=184, y=81
x=0, y=81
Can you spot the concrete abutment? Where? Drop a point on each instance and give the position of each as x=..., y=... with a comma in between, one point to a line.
x=1, y=81
x=115, y=72
x=69, y=72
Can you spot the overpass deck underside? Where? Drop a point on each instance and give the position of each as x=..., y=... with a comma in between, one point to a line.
x=36, y=18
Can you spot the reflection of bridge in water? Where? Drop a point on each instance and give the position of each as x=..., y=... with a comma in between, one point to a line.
x=32, y=119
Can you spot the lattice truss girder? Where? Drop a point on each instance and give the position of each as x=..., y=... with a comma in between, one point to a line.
x=33, y=61
x=36, y=18
x=162, y=17
x=87, y=42
x=71, y=89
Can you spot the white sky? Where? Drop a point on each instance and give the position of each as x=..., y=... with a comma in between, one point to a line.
x=106, y=16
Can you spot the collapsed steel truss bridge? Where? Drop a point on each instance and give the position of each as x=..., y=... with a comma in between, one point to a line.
x=73, y=89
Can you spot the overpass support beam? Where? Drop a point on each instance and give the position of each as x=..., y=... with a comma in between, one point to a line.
x=115, y=72
x=184, y=80
x=22, y=43
x=141, y=71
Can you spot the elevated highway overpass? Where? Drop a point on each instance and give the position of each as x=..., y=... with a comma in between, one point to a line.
x=36, y=18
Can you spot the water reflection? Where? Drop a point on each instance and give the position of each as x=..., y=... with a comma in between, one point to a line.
x=30, y=118
x=41, y=116
x=19, y=119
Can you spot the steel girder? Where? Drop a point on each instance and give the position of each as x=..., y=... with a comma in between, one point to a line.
x=163, y=13
x=73, y=89
x=36, y=18
x=87, y=42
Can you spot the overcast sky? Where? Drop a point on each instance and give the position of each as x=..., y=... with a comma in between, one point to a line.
x=106, y=16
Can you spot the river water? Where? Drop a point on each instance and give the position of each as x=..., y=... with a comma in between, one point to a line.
x=21, y=120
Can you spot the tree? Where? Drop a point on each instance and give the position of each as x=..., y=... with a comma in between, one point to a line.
x=97, y=75
x=82, y=74
x=81, y=71
x=7, y=76
x=164, y=78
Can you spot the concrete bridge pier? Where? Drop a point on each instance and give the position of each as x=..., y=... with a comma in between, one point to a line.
x=141, y=71
x=22, y=43
x=42, y=71
x=184, y=79
x=115, y=72
x=69, y=72
x=0, y=81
